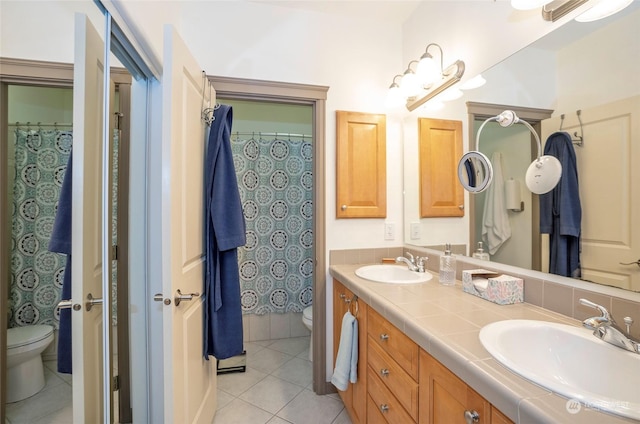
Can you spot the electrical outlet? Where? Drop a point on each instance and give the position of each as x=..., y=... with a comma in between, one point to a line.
x=389, y=231
x=415, y=231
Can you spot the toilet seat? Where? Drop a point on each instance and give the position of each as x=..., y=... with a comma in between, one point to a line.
x=23, y=336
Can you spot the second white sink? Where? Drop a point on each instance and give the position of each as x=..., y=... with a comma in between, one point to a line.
x=393, y=274
x=569, y=361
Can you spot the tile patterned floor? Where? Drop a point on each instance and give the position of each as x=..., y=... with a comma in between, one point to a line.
x=275, y=389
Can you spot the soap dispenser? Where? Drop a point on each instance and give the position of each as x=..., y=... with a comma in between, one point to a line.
x=447, y=267
x=480, y=253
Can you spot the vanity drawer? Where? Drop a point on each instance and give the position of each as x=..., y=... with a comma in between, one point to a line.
x=383, y=400
x=395, y=343
x=394, y=377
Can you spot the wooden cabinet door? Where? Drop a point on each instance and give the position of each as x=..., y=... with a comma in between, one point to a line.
x=444, y=398
x=355, y=397
x=440, y=143
x=361, y=165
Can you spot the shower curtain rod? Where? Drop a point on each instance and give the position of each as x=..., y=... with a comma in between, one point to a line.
x=271, y=134
x=40, y=124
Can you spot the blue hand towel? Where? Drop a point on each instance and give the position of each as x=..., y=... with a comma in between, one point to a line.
x=346, y=368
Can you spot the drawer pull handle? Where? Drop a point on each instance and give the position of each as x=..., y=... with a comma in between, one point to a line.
x=384, y=337
x=471, y=417
x=384, y=407
x=384, y=372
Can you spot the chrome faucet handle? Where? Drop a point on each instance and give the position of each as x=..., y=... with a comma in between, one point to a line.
x=605, y=315
x=420, y=261
x=411, y=258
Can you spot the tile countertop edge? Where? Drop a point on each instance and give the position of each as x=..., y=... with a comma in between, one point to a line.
x=480, y=374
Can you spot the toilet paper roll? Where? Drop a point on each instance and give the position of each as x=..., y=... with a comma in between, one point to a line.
x=512, y=194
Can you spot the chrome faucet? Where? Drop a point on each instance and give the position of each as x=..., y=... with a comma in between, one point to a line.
x=414, y=264
x=605, y=328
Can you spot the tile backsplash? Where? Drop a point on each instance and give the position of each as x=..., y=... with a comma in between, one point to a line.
x=552, y=292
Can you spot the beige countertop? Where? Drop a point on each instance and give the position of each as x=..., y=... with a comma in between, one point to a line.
x=445, y=322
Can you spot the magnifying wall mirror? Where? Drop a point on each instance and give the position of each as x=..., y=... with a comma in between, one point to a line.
x=476, y=173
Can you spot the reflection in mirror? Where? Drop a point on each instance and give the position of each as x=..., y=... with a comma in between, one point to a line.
x=561, y=73
x=475, y=172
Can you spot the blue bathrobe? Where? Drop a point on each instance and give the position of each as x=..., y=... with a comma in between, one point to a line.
x=560, y=210
x=61, y=243
x=224, y=233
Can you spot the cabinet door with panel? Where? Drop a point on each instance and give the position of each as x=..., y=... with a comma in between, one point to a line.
x=440, y=145
x=355, y=397
x=361, y=165
x=445, y=399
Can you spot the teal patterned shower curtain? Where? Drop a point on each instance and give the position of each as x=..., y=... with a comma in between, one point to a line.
x=275, y=180
x=36, y=273
x=36, y=278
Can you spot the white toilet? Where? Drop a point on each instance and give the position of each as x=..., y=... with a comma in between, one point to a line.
x=25, y=374
x=307, y=319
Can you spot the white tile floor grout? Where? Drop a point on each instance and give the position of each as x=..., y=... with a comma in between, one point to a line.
x=276, y=388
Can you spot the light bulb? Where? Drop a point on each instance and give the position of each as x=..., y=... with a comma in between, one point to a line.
x=603, y=8
x=409, y=84
x=475, y=82
x=428, y=69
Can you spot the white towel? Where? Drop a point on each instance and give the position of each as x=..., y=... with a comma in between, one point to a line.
x=346, y=368
x=495, y=219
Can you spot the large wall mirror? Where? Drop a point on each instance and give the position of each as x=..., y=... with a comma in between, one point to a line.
x=587, y=67
x=36, y=121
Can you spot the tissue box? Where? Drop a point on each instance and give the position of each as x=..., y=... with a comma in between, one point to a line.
x=494, y=287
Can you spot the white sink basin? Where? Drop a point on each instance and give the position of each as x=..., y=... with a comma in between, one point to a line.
x=569, y=361
x=394, y=274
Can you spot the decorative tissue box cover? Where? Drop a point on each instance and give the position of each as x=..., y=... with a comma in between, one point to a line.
x=500, y=289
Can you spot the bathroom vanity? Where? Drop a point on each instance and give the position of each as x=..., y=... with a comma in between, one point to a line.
x=421, y=361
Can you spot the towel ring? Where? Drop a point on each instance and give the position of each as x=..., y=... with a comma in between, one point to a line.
x=354, y=301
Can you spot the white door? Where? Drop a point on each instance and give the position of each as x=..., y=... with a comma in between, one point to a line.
x=87, y=222
x=189, y=379
x=609, y=180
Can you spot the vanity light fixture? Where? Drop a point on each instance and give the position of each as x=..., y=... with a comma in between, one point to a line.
x=475, y=171
x=554, y=10
x=425, y=82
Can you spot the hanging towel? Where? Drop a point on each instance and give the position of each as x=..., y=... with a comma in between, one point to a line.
x=346, y=369
x=560, y=210
x=61, y=243
x=224, y=232
x=496, y=228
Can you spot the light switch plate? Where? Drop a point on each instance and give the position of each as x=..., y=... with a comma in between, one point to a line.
x=389, y=231
x=415, y=231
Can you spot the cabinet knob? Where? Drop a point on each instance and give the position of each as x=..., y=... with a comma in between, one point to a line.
x=471, y=417
x=343, y=207
x=384, y=407
x=384, y=372
x=461, y=207
x=384, y=337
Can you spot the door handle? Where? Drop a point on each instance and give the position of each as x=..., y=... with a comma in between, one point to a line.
x=92, y=301
x=68, y=304
x=181, y=297
x=631, y=263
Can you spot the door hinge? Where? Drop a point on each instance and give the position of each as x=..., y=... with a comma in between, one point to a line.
x=114, y=252
x=116, y=383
